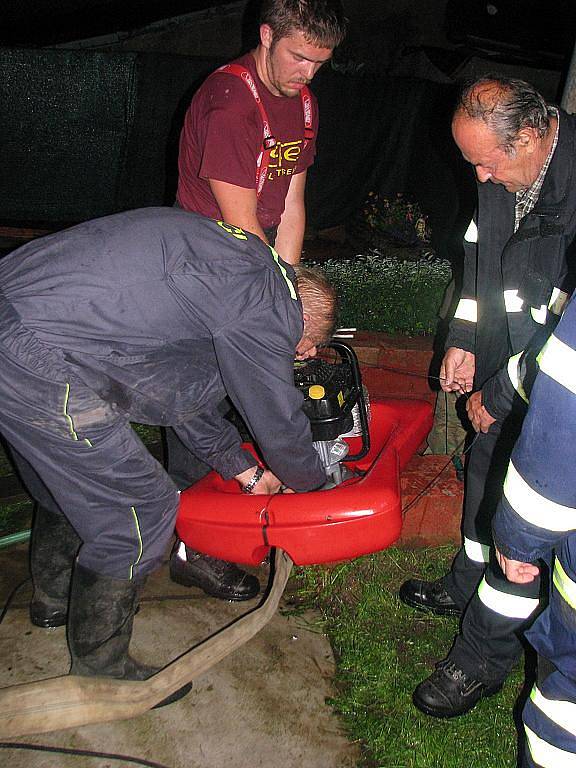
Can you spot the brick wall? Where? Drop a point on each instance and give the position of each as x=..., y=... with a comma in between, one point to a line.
x=432, y=496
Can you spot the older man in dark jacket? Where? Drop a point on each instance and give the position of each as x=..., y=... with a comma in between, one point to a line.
x=515, y=286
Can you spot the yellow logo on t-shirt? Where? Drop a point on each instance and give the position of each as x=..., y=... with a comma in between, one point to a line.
x=283, y=158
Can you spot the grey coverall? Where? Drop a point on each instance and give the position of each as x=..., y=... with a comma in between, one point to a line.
x=150, y=316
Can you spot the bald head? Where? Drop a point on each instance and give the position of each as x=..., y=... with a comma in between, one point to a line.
x=503, y=127
x=505, y=106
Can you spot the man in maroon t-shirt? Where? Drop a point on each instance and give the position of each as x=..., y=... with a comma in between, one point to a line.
x=219, y=147
x=222, y=135
x=248, y=138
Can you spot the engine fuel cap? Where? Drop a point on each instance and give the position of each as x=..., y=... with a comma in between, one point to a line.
x=316, y=392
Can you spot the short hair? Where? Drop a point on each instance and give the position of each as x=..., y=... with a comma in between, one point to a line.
x=321, y=21
x=319, y=301
x=506, y=106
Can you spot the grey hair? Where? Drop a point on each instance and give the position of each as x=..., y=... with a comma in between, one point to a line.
x=319, y=301
x=506, y=106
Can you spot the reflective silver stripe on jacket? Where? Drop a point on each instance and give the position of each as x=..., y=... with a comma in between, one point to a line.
x=556, y=304
x=563, y=713
x=535, y=508
x=512, y=606
x=467, y=309
x=558, y=301
x=564, y=584
x=547, y=755
x=540, y=314
x=512, y=301
x=471, y=234
x=558, y=360
x=514, y=376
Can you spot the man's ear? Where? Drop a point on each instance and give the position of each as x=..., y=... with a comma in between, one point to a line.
x=527, y=139
x=266, y=36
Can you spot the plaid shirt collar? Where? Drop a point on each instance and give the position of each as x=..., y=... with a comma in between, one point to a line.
x=526, y=199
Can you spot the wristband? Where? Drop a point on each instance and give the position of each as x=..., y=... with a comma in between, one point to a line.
x=251, y=484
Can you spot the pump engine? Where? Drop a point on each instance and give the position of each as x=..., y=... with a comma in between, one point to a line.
x=335, y=403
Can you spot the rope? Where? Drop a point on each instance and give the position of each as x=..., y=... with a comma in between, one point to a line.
x=79, y=753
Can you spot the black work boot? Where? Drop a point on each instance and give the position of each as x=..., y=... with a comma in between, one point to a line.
x=428, y=596
x=100, y=622
x=53, y=548
x=215, y=577
x=450, y=692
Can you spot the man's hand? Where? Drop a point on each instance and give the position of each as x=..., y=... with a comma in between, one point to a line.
x=329, y=485
x=457, y=370
x=267, y=485
x=515, y=571
x=306, y=348
x=479, y=417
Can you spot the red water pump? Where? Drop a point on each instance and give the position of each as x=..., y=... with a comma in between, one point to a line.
x=362, y=512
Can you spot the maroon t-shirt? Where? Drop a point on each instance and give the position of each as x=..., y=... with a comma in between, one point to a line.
x=222, y=138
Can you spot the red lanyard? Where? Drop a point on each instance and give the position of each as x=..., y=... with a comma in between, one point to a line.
x=268, y=140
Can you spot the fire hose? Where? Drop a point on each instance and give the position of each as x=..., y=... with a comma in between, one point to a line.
x=69, y=701
x=331, y=391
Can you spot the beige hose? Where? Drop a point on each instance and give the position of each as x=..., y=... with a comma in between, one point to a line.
x=70, y=701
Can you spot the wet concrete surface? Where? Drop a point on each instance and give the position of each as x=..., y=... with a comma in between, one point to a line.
x=263, y=705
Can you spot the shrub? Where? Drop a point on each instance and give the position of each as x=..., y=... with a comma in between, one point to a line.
x=385, y=294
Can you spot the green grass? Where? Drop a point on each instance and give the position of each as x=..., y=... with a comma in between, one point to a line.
x=15, y=517
x=383, y=650
x=147, y=433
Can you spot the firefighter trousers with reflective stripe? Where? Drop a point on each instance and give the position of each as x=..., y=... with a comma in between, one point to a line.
x=549, y=718
x=85, y=458
x=486, y=467
x=487, y=646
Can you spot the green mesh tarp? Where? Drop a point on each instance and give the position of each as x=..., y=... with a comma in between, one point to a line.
x=84, y=134
x=66, y=121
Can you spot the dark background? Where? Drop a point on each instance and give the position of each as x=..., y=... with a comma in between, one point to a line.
x=538, y=31
x=93, y=92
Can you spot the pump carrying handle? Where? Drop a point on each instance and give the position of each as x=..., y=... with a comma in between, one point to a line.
x=347, y=353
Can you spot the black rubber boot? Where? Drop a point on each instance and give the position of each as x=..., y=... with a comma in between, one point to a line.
x=100, y=622
x=100, y=626
x=53, y=548
x=217, y=578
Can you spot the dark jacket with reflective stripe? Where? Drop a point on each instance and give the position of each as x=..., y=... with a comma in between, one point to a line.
x=162, y=312
x=532, y=260
x=542, y=521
